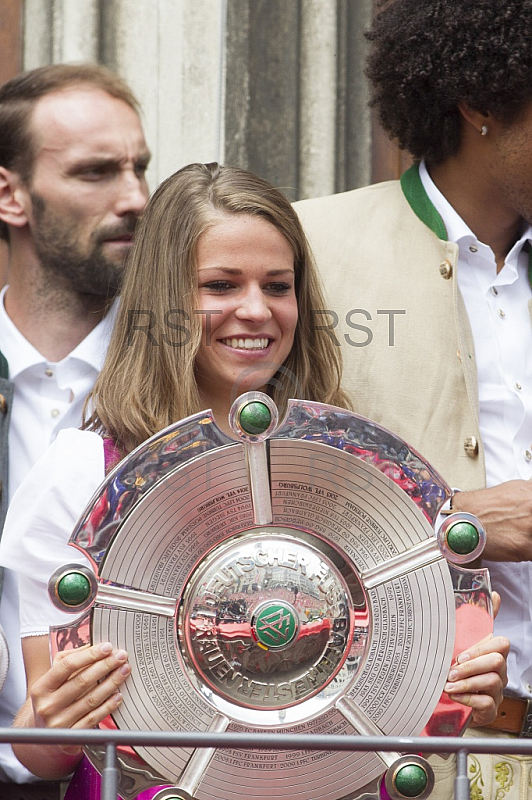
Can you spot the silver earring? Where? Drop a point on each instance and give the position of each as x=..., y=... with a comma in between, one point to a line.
x=484, y=130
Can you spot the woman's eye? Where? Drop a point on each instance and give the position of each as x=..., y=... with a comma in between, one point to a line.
x=217, y=286
x=279, y=288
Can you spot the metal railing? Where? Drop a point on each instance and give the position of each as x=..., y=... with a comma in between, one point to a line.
x=271, y=741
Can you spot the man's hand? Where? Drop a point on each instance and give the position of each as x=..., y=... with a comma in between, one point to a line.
x=505, y=511
x=478, y=678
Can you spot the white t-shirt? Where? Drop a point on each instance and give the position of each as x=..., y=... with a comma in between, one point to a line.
x=41, y=518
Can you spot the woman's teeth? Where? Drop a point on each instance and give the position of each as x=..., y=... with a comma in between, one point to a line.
x=246, y=344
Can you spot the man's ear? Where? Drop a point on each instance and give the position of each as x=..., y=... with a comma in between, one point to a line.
x=478, y=119
x=14, y=199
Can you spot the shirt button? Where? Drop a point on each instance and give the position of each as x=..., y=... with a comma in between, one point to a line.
x=48, y=372
x=494, y=290
x=473, y=248
x=528, y=687
x=3, y=404
x=446, y=269
x=501, y=313
x=518, y=386
x=55, y=412
x=528, y=455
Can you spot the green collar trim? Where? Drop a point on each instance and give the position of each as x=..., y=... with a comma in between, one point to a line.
x=419, y=201
x=4, y=368
x=528, y=246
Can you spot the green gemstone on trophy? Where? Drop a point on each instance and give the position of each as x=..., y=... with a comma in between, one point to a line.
x=462, y=538
x=255, y=418
x=275, y=625
x=73, y=589
x=411, y=780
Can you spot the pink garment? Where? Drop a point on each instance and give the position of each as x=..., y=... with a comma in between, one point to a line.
x=111, y=453
x=86, y=784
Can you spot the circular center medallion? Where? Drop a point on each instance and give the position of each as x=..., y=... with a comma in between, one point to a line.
x=275, y=624
x=267, y=620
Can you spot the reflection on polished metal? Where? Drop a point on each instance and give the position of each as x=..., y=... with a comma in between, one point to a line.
x=287, y=579
x=278, y=643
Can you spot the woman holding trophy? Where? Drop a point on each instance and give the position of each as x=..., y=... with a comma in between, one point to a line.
x=219, y=298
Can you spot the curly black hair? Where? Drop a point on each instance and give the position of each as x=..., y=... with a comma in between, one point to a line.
x=428, y=55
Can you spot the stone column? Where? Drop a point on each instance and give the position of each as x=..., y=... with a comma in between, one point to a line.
x=171, y=51
x=276, y=86
x=318, y=97
x=296, y=97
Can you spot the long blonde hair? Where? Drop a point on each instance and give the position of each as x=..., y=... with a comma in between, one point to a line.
x=148, y=380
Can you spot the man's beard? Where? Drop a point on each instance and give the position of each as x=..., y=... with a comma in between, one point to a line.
x=66, y=264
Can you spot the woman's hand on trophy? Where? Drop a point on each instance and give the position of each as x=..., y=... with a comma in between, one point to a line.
x=80, y=689
x=478, y=678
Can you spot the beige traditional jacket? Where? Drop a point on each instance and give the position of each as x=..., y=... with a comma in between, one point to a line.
x=391, y=280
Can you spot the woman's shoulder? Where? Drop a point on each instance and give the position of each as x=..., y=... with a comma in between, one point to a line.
x=72, y=454
x=53, y=495
x=70, y=441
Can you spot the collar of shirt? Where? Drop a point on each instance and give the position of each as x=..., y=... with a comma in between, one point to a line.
x=468, y=244
x=22, y=356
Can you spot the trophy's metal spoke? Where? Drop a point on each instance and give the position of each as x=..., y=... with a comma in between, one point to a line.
x=363, y=725
x=201, y=758
x=113, y=596
x=259, y=479
x=421, y=555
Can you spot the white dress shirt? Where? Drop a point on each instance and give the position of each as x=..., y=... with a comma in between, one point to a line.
x=498, y=310
x=47, y=397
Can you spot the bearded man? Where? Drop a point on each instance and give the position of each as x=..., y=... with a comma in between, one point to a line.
x=72, y=186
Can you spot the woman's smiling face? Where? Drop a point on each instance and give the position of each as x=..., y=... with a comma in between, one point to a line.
x=248, y=305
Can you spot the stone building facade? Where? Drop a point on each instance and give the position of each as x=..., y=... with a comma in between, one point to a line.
x=276, y=86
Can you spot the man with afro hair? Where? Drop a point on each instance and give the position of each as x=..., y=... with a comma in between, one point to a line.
x=429, y=284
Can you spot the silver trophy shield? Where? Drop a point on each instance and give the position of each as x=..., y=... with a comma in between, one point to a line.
x=288, y=579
